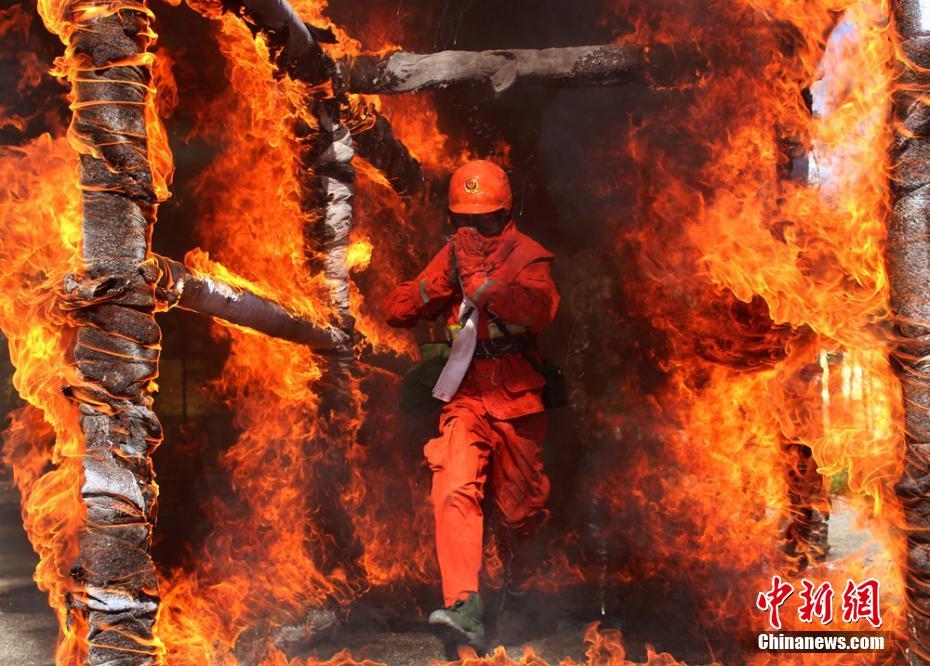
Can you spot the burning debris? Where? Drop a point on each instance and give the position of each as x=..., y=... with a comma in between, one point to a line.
x=730, y=273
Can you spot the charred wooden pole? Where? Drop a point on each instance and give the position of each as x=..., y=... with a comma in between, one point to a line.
x=117, y=340
x=183, y=287
x=327, y=180
x=807, y=534
x=330, y=218
x=295, y=47
x=179, y=286
x=908, y=263
x=293, y=44
x=296, y=51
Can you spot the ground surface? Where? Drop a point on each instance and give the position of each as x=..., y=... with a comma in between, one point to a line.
x=28, y=628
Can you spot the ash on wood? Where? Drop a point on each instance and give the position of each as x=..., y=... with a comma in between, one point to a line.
x=908, y=263
x=603, y=65
x=117, y=340
x=333, y=176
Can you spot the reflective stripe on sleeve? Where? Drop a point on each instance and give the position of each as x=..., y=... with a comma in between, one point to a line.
x=477, y=297
x=423, y=291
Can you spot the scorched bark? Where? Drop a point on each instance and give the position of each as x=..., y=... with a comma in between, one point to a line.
x=117, y=340
x=908, y=263
x=334, y=176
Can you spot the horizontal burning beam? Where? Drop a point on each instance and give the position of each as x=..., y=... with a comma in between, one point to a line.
x=296, y=49
x=398, y=72
x=180, y=286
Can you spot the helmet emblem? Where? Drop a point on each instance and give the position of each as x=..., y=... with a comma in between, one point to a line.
x=471, y=185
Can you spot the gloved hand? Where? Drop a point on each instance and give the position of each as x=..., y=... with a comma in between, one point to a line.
x=478, y=258
x=470, y=249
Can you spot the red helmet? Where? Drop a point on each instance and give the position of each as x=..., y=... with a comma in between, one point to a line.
x=479, y=187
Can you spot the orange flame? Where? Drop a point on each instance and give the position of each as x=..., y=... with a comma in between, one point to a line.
x=43, y=443
x=723, y=222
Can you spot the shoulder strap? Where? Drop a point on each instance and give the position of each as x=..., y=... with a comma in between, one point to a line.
x=454, y=261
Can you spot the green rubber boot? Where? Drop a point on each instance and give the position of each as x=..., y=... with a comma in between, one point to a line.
x=465, y=618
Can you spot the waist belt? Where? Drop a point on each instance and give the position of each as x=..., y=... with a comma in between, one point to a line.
x=497, y=348
x=452, y=330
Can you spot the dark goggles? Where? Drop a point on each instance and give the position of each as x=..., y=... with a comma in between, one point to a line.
x=487, y=224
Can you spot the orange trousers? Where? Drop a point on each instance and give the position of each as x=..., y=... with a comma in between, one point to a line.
x=471, y=449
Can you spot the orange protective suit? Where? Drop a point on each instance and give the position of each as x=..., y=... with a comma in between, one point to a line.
x=494, y=426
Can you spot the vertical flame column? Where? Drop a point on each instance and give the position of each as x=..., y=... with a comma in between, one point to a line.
x=328, y=180
x=117, y=340
x=806, y=534
x=908, y=263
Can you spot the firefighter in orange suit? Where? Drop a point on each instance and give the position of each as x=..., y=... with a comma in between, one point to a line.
x=493, y=285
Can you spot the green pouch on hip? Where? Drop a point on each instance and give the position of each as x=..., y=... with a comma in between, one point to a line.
x=416, y=392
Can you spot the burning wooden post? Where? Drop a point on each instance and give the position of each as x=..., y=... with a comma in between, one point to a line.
x=295, y=48
x=908, y=263
x=807, y=533
x=328, y=178
x=117, y=340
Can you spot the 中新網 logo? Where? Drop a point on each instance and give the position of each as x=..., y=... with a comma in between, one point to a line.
x=859, y=602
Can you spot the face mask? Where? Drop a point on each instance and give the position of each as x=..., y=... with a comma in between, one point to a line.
x=487, y=224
